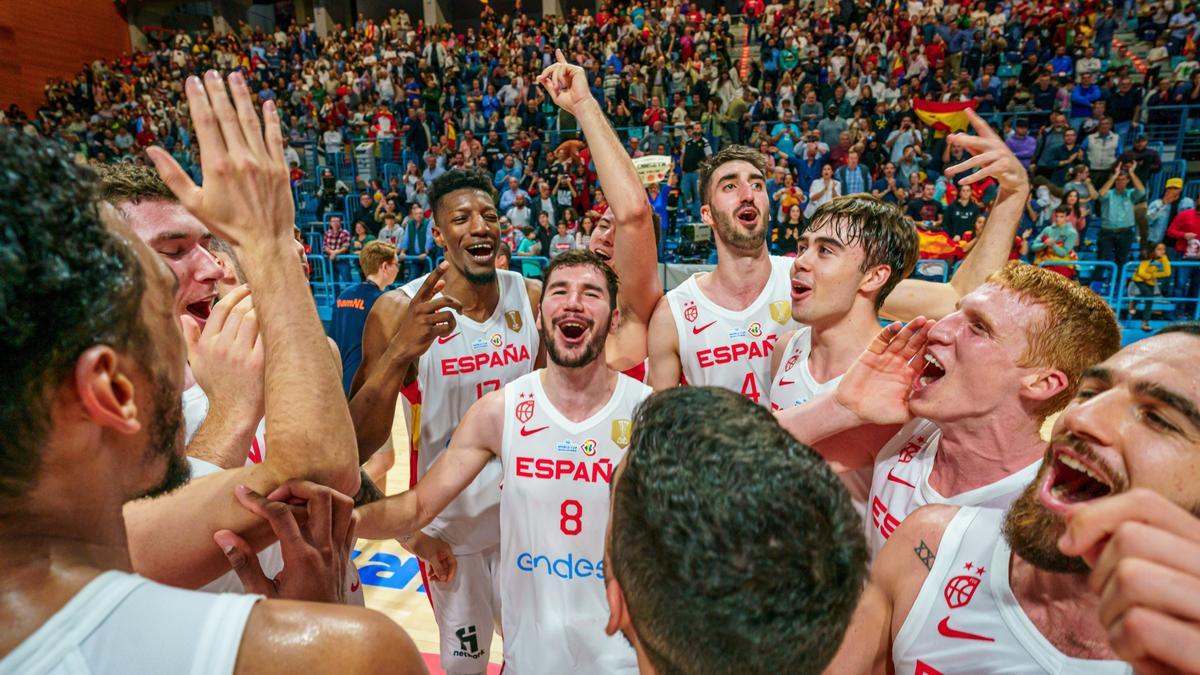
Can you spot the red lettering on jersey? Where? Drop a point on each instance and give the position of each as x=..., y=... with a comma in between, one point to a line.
x=544, y=468
x=255, y=454
x=723, y=354
x=889, y=524
x=925, y=669
x=462, y=365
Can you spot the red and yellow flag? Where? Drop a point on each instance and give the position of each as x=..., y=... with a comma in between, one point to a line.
x=944, y=117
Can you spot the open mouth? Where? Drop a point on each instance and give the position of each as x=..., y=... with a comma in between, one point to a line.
x=602, y=254
x=932, y=372
x=572, y=330
x=482, y=252
x=1073, y=480
x=201, y=309
x=747, y=215
x=801, y=290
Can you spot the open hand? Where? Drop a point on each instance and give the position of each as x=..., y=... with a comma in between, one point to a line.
x=877, y=386
x=990, y=155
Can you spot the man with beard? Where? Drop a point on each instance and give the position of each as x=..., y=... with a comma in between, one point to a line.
x=557, y=434
x=93, y=356
x=950, y=594
x=445, y=340
x=720, y=328
x=957, y=420
x=624, y=234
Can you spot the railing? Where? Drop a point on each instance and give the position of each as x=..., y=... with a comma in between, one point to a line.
x=1103, y=286
x=1177, y=127
x=1123, y=298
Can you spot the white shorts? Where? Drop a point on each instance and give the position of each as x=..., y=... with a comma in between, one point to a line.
x=467, y=611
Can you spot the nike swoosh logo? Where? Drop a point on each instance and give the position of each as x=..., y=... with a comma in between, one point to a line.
x=696, y=330
x=785, y=383
x=530, y=432
x=891, y=476
x=444, y=340
x=946, y=631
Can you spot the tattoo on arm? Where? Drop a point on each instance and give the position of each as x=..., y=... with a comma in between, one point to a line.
x=925, y=555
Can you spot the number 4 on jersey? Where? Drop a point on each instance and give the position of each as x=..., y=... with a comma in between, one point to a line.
x=750, y=387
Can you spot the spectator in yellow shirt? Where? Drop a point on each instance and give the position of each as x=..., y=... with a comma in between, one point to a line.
x=1154, y=266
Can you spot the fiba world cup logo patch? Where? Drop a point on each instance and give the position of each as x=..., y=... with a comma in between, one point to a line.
x=524, y=410
x=496, y=340
x=960, y=589
x=690, y=312
x=755, y=329
x=588, y=447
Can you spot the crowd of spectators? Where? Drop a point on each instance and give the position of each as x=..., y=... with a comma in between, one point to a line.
x=827, y=95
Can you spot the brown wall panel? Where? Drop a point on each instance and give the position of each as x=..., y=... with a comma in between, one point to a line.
x=43, y=39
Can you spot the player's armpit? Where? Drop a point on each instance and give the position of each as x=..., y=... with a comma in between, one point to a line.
x=378, y=381
x=777, y=353
x=663, y=349
x=286, y=636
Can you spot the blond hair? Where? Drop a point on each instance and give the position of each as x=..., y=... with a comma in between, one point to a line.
x=1078, y=330
x=133, y=183
x=374, y=255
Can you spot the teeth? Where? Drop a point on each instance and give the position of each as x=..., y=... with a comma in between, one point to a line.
x=1075, y=464
x=934, y=362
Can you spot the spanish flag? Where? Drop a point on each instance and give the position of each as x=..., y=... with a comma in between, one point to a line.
x=945, y=118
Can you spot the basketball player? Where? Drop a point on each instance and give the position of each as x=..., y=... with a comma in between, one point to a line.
x=557, y=432
x=721, y=328
x=624, y=234
x=699, y=578
x=949, y=593
x=851, y=256
x=94, y=356
x=449, y=338
x=960, y=423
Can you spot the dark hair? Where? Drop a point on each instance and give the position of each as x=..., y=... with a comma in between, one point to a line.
x=581, y=257
x=729, y=153
x=129, y=182
x=887, y=236
x=459, y=179
x=736, y=547
x=67, y=283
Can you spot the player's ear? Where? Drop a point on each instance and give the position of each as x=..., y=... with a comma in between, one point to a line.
x=618, y=613
x=105, y=391
x=875, y=278
x=1044, y=384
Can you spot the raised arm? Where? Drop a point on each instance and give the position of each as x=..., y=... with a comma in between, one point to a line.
x=246, y=200
x=635, y=256
x=475, y=441
x=990, y=252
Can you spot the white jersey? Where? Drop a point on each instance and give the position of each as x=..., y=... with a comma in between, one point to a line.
x=270, y=559
x=195, y=411
x=124, y=623
x=900, y=484
x=456, y=371
x=724, y=348
x=554, y=513
x=967, y=620
x=794, y=384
